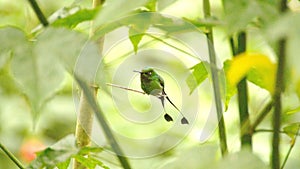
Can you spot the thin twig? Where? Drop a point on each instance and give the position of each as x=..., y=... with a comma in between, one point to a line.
x=11, y=156
x=121, y=87
x=215, y=80
x=39, y=12
x=104, y=124
x=268, y=130
x=262, y=115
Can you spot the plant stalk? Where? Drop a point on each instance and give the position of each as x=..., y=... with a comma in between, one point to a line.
x=279, y=88
x=11, y=156
x=39, y=13
x=103, y=122
x=215, y=80
x=242, y=91
x=86, y=114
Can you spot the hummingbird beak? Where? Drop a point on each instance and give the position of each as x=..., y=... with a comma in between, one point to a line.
x=137, y=71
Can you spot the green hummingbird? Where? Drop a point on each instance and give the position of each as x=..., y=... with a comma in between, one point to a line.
x=153, y=84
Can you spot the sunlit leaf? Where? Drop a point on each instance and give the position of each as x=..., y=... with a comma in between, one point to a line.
x=89, y=162
x=60, y=154
x=292, y=129
x=62, y=44
x=162, y=4
x=11, y=39
x=143, y=19
x=113, y=10
x=73, y=20
x=278, y=30
x=151, y=5
x=230, y=90
x=259, y=67
x=243, y=159
x=239, y=13
x=198, y=75
x=39, y=76
x=137, y=30
x=186, y=158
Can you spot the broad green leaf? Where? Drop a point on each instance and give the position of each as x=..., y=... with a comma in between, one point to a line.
x=60, y=154
x=279, y=30
x=198, y=75
x=143, y=19
x=49, y=158
x=239, y=13
x=73, y=20
x=229, y=89
x=243, y=159
x=186, y=158
x=89, y=162
x=151, y=5
x=113, y=10
x=86, y=150
x=11, y=40
x=162, y=4
x=63, y=45
x=38, y=74
x=259, y=67
x=295, y=110
x=137, y=30
x=72, y=50
x=292, y=129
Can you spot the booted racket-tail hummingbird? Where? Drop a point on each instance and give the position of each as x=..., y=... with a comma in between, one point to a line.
x=153, y=84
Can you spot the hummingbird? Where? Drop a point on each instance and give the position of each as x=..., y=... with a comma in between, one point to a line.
x=153, y=84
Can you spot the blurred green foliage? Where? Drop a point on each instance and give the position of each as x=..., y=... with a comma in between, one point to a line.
x=35, y=64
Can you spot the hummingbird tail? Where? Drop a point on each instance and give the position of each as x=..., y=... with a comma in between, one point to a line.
x=168, y=118
x=184, y=121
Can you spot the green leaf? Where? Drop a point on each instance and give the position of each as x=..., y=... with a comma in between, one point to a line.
x=266, y=11
x=113, y=10
x=186, y=158
x=258, y=67
x=229, y=89
x=151, y=5
x=143, y=19
x=60, y=154
x=243, y=159
x=103, y=122
x=198, y=75
x=162, y=4
x=89, y=162
x=292, y=129
x=279, y=29
x=11, y=39
x=137, y=30
x=73, y=20
x=62, y=44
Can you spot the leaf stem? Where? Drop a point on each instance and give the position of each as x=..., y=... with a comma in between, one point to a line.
x=11, y=156
x=261, y=116
x=39, y=13
x=242, y=91
x=293, y=141
x=279, y=88
x=121, y=87
x=215, y=80
x=103, y=122
x=85, y=117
